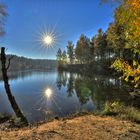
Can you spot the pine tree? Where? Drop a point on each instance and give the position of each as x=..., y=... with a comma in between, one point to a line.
x=59, y=56
x=64, y=57
x=70, y=52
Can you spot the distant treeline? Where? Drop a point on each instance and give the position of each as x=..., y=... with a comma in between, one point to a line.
x=23, y=63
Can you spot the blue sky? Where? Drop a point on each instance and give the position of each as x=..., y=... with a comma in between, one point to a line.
x=27, y=18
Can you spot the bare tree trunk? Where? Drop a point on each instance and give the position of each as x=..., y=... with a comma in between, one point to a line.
x=7, y=88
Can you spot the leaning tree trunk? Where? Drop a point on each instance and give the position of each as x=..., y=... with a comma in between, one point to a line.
x=8, y=90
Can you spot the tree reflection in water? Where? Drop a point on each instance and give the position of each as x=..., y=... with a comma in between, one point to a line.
x=99, y=89
x=70, y=85
x=60, y=94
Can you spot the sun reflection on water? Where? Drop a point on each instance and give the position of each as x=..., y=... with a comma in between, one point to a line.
x=48, y=93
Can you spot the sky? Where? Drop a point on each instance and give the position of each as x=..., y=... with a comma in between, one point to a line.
x=28, y=19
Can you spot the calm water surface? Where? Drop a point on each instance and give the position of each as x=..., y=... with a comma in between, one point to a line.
x=43, y=95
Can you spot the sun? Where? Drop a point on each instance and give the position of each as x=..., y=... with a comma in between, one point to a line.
x=48, y=37
x=48, y=40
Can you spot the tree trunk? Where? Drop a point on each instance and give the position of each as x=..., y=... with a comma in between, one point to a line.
x=8, y=90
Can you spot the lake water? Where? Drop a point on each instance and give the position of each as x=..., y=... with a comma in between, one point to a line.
x=43, y=95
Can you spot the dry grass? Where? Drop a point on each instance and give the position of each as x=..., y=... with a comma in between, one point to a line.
x=87, y=127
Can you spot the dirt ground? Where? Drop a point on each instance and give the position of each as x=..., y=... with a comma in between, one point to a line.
x=87, y=127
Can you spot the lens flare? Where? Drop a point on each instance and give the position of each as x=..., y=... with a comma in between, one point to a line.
x=48, y=37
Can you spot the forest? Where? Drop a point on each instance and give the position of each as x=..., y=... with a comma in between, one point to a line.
x=117, y=48
x=23, y=63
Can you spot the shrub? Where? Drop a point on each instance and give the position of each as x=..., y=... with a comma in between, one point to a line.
x=122, y=111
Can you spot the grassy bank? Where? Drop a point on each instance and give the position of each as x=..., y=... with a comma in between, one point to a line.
x=123, y=112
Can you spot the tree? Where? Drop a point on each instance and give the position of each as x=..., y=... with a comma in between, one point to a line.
x=82, y=50
x=127, y=16
x=64, y=57
x=11, y=98
x=70, y=51
x=3, y=14
x=92, y=49
x=127, y=22
x=59, y=56
x=100, y=44
x=130, y=73
x=130, y=17
x=4, y=69
x=116, y=38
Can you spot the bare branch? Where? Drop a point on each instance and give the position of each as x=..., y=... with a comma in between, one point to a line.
x=9, y=62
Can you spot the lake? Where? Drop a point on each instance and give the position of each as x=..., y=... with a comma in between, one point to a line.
x=42, y=95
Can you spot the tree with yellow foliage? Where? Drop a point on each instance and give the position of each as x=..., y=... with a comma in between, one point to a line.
x=127, y=15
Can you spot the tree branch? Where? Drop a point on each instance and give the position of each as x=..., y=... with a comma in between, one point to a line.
x=9, y=62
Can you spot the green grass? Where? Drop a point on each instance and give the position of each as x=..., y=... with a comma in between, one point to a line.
x=122, y=111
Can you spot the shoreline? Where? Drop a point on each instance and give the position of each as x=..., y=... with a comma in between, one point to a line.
x=86, y=69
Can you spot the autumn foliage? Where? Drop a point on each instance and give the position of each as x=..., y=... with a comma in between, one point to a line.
x=135, y=12
x=130, y=73
x=127, y=15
